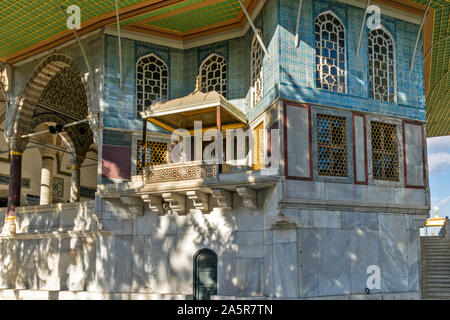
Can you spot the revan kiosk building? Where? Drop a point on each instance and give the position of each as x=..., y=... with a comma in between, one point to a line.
x=218, y=149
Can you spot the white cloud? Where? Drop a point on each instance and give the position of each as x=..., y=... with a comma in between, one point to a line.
x=444, y=201
x=438, y=144
x=438, y=161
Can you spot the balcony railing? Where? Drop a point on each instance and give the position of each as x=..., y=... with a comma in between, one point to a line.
x=195, y=170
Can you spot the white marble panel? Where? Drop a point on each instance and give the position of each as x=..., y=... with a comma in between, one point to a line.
x=393, y=252
x=327, y=219
x=285, y=269
x=334, y=262
x=249, y=276
x=250, y=244
x=360, y=153
x=363, y=253
x=308, y=262
x=298, y=142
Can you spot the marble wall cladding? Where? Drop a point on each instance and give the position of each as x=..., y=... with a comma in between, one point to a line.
x=249, y=276
x=298, y=139
x=308, y=253
x=374, y=194
x=334, y=262
x=327, y=219
x=363, y=253
x=414, y=145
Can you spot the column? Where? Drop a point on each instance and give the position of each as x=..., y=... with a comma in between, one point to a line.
x=16, y=147
x=76, y=160
x=46, y=177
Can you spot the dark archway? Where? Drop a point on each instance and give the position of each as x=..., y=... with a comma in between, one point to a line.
x=205, y=274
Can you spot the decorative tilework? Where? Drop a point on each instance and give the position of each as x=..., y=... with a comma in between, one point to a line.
x=4, y=179
x=58, y=187
x=297, y=65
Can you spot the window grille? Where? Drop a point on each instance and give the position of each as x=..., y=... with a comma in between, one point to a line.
x=332, y=145
x=156, y=154
x=384, y=151
x=258, y=147
x=213, y=75
x=257, y=71
x=330, y=53
x=381, y=66
x=151, y=81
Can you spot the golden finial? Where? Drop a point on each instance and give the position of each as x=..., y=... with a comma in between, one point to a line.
x=197, y=86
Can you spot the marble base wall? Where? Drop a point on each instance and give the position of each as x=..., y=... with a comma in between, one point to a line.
x=315, y=254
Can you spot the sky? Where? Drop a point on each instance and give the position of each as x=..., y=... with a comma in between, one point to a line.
x=439, y=174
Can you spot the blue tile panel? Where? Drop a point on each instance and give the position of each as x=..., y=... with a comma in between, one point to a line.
x=120, y=105
x=298, y=64
x=288, y=74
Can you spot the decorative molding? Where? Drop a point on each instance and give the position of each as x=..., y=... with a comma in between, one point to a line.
x=155, y=204
x=223, y=197
x=249, y=197
x=176, y=202
x=200, y=200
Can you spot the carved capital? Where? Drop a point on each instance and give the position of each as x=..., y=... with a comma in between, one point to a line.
x=155, y=204
x=177, y=202
x=223, y=197
x=16, y=143
x=200, y=200
x=76, y=160
x=248, y=196
x=47, y=152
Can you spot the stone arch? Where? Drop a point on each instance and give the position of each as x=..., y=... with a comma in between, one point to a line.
x=68, y=134
x=31, y=92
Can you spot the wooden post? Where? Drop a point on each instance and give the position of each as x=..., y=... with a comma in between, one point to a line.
x=220, y=141
x=144, y=147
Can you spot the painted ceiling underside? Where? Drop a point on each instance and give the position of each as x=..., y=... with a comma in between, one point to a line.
x=28, y=27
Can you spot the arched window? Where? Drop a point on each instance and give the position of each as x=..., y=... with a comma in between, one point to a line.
x=257, y=70
x=381, y=65
x=151, y=81
x=205, y=274
x=213, y=74
x=330, y=53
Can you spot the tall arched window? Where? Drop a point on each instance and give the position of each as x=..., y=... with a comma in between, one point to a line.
x=213, y=74
x=330, y=53
x=205, y=274
x=151, y=81
x=257, y=70
x=381, y=65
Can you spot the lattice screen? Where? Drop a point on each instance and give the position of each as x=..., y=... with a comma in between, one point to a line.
x=151, y=81
x=330, y=53
x=332, y=145
x=156, y=154
x=384, y=151
x=257, y=71
x=258, y=147
x=213, y=74
x=381, y=66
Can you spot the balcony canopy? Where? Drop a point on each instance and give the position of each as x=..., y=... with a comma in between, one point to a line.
x=211, y=108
